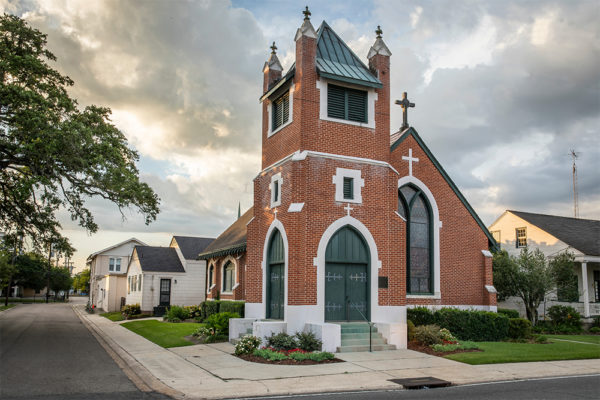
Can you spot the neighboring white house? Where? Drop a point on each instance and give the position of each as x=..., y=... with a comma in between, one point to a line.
x=514, y=230
x=108, y=271
x=164, y=276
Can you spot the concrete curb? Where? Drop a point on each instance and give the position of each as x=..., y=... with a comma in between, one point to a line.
x=135, y=371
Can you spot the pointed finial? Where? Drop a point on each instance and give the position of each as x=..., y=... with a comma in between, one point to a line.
x=378, y=32
x=273, y=48
x=239, y=210
x=306, y=14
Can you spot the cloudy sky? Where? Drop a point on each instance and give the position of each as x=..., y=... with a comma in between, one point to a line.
x=504, y=90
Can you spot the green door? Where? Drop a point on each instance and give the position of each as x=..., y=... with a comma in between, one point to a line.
x=275, y=277
x=347, y=277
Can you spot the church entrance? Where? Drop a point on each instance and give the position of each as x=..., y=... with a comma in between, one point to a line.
x=275, y=277
x=347, y=277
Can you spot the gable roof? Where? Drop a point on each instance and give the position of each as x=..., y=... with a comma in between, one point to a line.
x=581, y=234
x=398, y=138
x=232, y=241
x=115, y=246
x=191, y=246
x=158, y=259
x=336, y=61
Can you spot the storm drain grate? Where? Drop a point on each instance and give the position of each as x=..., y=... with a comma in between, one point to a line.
x=424, y=382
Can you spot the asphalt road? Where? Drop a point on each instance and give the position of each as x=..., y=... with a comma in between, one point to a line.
x=47, y=353
x=579, y=388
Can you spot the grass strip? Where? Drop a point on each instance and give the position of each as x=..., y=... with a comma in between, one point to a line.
x=113, y=316
x=3, y=307
x=508, y=352
x=164, y=334
x=595, y=339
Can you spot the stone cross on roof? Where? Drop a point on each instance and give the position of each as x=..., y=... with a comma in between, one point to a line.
x=273, y=48
x=405, y=104
x=306, y=14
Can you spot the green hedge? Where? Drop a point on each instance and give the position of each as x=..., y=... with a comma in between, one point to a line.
x=519, y=328
x=509, y=313
x=476, y=326
x=420, y=316
x=210, y=307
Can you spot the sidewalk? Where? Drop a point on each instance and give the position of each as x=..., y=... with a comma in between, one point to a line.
x=210, y=371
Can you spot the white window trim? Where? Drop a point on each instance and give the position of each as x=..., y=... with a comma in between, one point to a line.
x=371, y=97
x=271, y=132
x=212, y=264
x=114, y=270
x=358, y=184
x=111, y=259
x=276, y=178
x=236, y=282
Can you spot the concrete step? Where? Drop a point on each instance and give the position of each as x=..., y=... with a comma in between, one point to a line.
x=363, y=342
x=363, y=335
x=378, y=347
x=357, y=329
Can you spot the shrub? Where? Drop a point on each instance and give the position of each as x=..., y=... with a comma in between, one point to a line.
x=282, y=341
x=594, y=329
x=466, y=345
x=176, y=314
x=195, y=311
x=220, y=322
x=519, y=328
x=308, y=342
x=410, y=327
x=319, y=356
x=247, y=345
x=210, y=335
x=299, y=356
x=420, y=316
x=232, y=306
x=428, y=334
x=596, y=322
x=478, y=326
x=269, y=354
x=131, y=309
x=541, y=339
x=566, y=316
x=447, y=336
x=508, y=312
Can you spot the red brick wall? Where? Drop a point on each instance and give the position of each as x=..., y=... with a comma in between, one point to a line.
x=238, y=292
x=463, y=271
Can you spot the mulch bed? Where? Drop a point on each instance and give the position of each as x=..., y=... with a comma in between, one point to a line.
x=257, y=359
x=412, y=345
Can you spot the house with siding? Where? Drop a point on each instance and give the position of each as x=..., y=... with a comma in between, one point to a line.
x=552, y=235
x=165, y=276
x=108, y=274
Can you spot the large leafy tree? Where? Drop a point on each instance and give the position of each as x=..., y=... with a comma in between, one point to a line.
x=81, y=281
x=60, y=279
x=31, y=271
x=54, y=155
x=530, y=277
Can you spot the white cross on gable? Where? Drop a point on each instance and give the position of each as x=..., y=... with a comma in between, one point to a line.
x=348, y=209
x=410, y=160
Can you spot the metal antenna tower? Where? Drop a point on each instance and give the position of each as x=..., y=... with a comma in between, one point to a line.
x=574, y=157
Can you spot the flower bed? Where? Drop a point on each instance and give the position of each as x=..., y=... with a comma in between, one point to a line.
x=268, y=355
x=423, y=348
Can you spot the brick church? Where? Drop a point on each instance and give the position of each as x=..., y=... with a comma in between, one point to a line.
x=349, y=223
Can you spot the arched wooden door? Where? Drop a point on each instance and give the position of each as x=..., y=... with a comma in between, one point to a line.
x=275, y=277
x=347, y=277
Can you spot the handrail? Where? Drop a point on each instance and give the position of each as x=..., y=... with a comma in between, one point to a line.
x=367, y=321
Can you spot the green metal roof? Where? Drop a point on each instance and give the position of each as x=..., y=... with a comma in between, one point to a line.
x=412, y=132
x=336, y=61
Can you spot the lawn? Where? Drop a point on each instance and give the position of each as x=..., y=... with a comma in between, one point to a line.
x=165, y=334
x=3, y=307
x=113, y=316
x=507, y=352
x=577, y=338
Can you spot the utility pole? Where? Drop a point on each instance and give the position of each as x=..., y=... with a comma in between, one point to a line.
x=49, y=270
x=574, y=157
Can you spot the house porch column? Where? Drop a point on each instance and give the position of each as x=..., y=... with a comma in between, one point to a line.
x=586, y=300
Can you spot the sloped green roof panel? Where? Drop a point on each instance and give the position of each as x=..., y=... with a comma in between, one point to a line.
x=335, y=60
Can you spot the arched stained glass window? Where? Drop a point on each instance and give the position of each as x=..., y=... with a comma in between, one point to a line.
x=414, y=207
x=228, y=277
x=211, y=271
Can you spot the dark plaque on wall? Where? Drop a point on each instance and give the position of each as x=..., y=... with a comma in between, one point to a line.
x=383, y=282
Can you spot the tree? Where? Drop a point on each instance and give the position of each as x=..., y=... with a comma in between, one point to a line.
x=7, y=270
x=52, y=154
x=31, y=271
x=530, y=277
x=60, y=279
x=82, y=281
x=562, y=268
